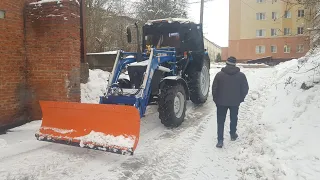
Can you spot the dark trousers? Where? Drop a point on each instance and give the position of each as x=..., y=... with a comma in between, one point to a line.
x=221, y=118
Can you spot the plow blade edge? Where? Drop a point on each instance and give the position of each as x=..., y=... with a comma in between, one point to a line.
x=112, y=128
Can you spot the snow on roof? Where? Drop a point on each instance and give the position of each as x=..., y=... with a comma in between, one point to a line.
x=45, y=1
x=180, y=20
x=107, y=52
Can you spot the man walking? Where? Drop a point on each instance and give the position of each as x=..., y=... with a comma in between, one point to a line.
x=229, y=89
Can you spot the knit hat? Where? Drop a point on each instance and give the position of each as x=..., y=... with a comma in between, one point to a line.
x=231, y=61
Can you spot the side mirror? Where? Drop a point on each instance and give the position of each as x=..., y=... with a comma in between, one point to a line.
x=128, y=35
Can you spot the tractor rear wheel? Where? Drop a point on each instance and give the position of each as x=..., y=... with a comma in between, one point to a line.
x=172, y=105
x=199, y=84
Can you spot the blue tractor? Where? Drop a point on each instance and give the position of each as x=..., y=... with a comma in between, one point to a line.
x=170, y=67
x=173, y=67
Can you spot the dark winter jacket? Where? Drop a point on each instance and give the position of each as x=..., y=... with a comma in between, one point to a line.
x=230, y=87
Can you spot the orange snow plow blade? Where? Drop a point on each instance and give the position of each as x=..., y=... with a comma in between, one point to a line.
x=112, y=128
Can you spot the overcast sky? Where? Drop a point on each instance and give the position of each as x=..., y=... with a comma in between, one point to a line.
x=216, y=20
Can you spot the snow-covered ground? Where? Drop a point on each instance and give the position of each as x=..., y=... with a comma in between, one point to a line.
x=278, y=130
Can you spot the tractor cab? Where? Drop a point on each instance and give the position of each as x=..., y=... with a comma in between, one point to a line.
x=172, y=34
x=182, y=34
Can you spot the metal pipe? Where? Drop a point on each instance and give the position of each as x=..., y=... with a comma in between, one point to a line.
x=114, y=69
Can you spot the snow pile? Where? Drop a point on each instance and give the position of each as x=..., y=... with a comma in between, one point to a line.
x=95, y=87
x=282, y=142
x=61, y=131
x=107, y=140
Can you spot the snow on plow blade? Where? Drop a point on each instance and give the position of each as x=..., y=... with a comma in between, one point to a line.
x=112, y=128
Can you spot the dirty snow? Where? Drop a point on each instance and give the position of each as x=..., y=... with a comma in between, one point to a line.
x=278, y=137
x=107, y=140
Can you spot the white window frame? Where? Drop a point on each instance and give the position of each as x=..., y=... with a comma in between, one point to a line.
x=300, y=30
x=263, y=31
x=301, y=13
x=275, y=47
x=261, y=16
x=300, y=48
x=286, y=49
x=260, y=49
x=275, y=31
x=274, y=15
x=287, y=14
x=284, y=31
x=2, y=14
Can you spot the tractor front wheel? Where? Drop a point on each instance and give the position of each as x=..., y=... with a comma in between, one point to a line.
x=199, y=84
x=172, y=105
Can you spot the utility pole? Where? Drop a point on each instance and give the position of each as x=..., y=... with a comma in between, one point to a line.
x=201, y=12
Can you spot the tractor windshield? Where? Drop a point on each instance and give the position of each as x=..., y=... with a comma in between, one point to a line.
x=163, y=40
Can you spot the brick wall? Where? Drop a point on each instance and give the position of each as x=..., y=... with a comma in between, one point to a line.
x=12, y=63
x=53, y=53
x=39, y=57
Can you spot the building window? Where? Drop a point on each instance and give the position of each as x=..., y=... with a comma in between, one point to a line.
x=286, y=49
x=260, y=1
x=261, y=16
x=260, y=49
x=274, y=49
x=2, y=14
x=274, y=32
x=300, y=48
x=286, y=31
x=274, y=15
x=287, y=14
x=261, y=33
x=300, y=30
x=301, y=13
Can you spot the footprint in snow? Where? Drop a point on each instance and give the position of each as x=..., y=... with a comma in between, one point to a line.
x=255, y=95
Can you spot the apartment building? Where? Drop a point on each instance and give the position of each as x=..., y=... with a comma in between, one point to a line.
x=212, y=48
x=267, y=28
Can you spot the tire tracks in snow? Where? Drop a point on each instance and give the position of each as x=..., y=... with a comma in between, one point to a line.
x=53, y=161
x=164, y=156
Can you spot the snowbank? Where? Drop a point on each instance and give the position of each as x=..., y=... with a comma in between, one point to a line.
x=95, y=87
x=283, y=142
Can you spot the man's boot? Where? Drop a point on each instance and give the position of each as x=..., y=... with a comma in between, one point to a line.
x=219, y=144
x=234, y=136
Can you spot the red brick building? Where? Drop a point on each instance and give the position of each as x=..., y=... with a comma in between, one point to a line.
x=40, y=56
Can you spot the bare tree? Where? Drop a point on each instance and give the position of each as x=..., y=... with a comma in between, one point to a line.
x=157, y=9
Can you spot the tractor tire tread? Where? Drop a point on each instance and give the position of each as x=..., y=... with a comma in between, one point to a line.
x=166, y=104
x=194, y=85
